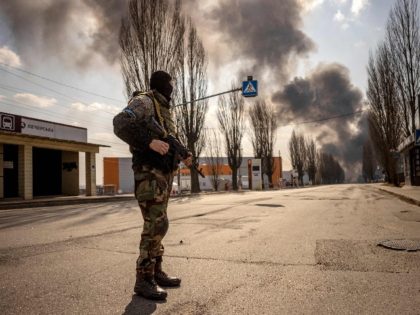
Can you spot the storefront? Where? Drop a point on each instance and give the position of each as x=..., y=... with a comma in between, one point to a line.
x=41, y=158
x=410, y=151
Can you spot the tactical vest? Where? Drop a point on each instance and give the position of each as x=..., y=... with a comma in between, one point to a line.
x=164, y=163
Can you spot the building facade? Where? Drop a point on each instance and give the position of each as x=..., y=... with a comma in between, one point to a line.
x=41, y=158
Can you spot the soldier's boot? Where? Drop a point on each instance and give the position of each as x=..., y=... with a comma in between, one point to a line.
x=147, y=287
x=162, y=278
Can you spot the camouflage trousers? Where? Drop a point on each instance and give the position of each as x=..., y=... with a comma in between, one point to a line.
x=152, y=190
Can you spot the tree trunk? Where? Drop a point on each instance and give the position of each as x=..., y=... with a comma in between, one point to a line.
x=234, y=178
x=195, y=183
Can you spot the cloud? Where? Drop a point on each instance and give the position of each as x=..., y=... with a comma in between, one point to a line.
x=9, y=57
x=104, y=136
x=327, y=92
x=343, y=20
x=34, y=100
x=310, y=5
x=339, y=16
x=360, y=44
x=358, y=5
x=95, y=107
x=75, y=32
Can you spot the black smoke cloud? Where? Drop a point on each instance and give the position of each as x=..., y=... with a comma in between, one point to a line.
x=265, y=32
x=56, y=28
x=327, y=92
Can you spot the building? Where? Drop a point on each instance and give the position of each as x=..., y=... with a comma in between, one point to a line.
x=119, y=178
x=249, y=175
x=118, y=175
x=410, y=155
x=41, y=158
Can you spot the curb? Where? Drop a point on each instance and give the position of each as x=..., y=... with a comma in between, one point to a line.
x=65, y=202
x=402, y=197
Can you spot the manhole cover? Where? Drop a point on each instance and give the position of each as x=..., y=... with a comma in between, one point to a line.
x=408, y=245
x=268, y=205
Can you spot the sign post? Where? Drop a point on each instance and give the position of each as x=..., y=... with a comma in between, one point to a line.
x=249, y=89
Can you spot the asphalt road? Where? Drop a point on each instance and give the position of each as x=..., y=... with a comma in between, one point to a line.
x=310, y=250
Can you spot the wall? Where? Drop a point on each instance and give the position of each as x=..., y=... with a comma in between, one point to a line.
x=126, y=176
x=69, y=173
x=111, y=172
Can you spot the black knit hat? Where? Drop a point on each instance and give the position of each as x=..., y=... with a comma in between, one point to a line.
x=161, y=81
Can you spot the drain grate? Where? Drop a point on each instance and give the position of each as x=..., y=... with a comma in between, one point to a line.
x=268, y=205
x=402, y=244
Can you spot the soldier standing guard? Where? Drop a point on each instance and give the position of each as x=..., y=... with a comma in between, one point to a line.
x=153, y=184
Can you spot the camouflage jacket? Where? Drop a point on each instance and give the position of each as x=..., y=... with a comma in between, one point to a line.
x=143, y=107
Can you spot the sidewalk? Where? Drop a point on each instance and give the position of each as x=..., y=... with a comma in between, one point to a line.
x=82, y=199
x=409, y=194
x=60, y=201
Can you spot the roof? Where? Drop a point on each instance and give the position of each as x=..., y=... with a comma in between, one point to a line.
x=11, y=137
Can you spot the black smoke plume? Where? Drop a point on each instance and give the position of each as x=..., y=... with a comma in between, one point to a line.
x=266, y=33
x=55, y=28
x=327, y=92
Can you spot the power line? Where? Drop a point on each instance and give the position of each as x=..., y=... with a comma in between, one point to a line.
x=52, y=90
x=325, y=119
x=61, y=83
x=51, y=113
x=308, y=122
x=94, y=139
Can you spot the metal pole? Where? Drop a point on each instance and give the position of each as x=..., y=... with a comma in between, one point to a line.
x=206, y=97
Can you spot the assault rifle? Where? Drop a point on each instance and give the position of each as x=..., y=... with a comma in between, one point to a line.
x=179, y=150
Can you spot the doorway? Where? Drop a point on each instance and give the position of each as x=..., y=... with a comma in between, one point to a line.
x=46, y=172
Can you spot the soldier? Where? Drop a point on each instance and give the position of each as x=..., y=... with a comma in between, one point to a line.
x=153, y=184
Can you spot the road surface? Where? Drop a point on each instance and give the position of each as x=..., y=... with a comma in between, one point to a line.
x=308, y=250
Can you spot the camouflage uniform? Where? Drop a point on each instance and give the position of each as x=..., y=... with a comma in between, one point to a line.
x=152, y=186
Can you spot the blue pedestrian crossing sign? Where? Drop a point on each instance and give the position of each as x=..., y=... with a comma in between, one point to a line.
x=250, y=88
x=417, y=140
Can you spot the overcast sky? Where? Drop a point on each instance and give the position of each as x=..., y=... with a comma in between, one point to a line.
x=309, y=57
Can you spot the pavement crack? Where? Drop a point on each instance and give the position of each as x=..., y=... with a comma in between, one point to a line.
x=109, y=250
x=243, y=261
x=220, y=210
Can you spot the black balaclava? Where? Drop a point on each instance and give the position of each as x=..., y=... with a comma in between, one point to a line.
x=161, y=81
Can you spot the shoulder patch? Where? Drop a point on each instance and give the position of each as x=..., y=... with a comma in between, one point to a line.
x=142, y=106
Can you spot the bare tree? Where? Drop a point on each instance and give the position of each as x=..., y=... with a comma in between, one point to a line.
x=311, y=159
x=385, y=117
x=403, y=40
x=263, y=135
x=155, y=36
x=297, y=151
x=214, y=158
x=192, y=84
x=230, y=115
x=150, y=39
x=369, y=164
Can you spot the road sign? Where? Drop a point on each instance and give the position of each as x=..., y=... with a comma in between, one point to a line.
x=417, y=140
x=250, y=88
